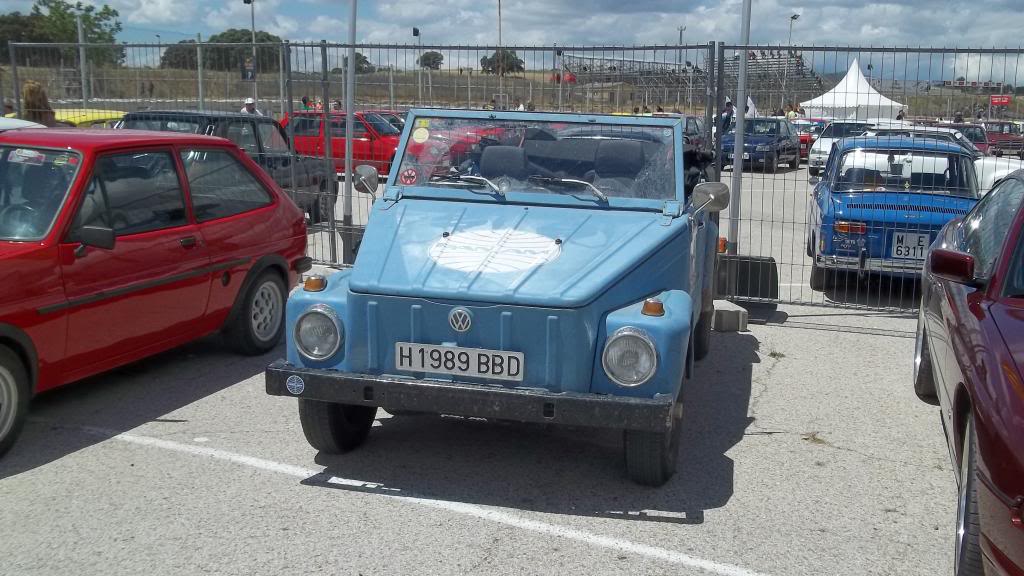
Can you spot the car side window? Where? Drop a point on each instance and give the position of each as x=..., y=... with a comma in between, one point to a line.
x=132, y=193
x=220, y=185
x=691, y=127
x=985, y=228
x=306, y=126
x=338, y=128
x=272, y=138
x=241, y=132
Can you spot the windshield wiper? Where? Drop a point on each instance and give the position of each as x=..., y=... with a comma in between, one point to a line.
x=471, y=179
x=571, y=182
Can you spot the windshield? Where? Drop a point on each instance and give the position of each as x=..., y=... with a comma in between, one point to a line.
x=381, y=125
x=162, y=125
x=844, y=130
x=33, y=185
x=756, y=127
x=974, y=133
x=867, y=170
x=541, y=156
x=1002, y=127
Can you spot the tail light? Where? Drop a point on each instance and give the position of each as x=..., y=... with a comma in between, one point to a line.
x=851, y=227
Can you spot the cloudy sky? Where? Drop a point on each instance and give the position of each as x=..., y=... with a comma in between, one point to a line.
x=543, y=22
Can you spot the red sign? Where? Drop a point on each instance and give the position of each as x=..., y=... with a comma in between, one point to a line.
x=1000, y=100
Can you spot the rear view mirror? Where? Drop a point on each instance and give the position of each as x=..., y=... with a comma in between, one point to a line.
x=952, y=265
x=367, y=179
x=713, y=196
x=96, y=237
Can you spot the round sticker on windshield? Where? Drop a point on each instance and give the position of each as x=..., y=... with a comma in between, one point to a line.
x=667, y=132
x=420, y=135
x=408, y=176
x=494, y=251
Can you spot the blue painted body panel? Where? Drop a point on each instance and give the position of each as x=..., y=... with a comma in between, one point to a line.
x=554, y=302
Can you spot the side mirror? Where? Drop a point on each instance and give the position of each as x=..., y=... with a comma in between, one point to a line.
x=367, y=179
x=95, y=236
x=952, y=265
x=813, y=180
x=713, y=196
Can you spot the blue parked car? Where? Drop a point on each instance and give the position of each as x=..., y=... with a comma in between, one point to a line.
x=561, y=273
x=881, y=202
x=766, y=141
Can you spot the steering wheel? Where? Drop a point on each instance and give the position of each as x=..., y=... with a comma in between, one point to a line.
x=29, y=212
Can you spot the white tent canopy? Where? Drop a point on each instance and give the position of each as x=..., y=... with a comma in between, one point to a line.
x=852, y=98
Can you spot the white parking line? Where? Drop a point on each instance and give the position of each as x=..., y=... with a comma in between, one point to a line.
x=473, y=510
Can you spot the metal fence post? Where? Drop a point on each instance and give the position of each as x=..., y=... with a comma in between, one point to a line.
x=83, y=63
x=391, y=87
x=332, y=175
x=719, y=105
x=709, y=97
x=287, y=62
x=280, y=73
x=199, y=71
x=350, y=115
x=14, y=79
x=738, y=149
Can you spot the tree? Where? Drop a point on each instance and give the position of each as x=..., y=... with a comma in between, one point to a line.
x=502, y=61
x=363, y=65
x=181, y=56
x=54, y=21
x=231, y=58
x=431, y=60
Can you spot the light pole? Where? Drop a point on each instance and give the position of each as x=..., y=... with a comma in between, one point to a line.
x=785, y=74
x=419, y=67
x=252, y=19
x=679, y=55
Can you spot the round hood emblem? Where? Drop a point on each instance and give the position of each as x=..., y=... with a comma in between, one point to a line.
x=460, y=320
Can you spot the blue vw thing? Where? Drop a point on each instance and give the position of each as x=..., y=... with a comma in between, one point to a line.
x=547, y=268
x=882, y=201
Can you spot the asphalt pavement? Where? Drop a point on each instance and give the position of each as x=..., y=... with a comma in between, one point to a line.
x=804, y=452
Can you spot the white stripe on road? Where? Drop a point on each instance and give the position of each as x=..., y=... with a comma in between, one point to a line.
x=472, y=510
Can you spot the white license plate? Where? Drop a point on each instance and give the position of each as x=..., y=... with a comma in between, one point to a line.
x=746, y=155
x=911, y=246
x=473, y=362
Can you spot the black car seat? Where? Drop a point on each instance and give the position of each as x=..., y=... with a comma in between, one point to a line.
x=508, y=161
x=616, y=166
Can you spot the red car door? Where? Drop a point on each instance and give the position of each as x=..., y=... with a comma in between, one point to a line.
x=362, y=144
x=307, y=136
x=234, y=210
x=147, y=292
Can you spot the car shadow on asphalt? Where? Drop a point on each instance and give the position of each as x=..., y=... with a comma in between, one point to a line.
x=875, y=291
x=573, y=471
x=88, y=412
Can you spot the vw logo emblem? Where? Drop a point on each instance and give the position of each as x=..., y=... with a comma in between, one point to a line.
x=460, y=320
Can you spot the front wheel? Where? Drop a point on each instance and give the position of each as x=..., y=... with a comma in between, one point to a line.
x=651, y=457
x=259, y=324
x=335, y=428
x=924, y=378
x=817, y=280
x=967, y=561
x=14, y=398
x=813, y=171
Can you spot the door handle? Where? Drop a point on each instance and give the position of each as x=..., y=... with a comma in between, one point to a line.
x=188, y=242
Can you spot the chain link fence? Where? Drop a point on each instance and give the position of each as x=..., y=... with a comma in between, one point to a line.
x=790, y=239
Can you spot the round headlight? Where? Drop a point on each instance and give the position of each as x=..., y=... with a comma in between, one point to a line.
x=629, y=357
x=318, y=332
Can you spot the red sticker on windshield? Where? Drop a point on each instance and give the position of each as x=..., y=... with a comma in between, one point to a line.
x=408, y=176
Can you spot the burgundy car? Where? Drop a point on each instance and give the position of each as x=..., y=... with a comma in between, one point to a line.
x=969, y=360
x=119, y=244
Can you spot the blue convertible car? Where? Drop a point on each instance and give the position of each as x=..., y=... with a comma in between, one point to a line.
x=881, y=201
x=558, y=271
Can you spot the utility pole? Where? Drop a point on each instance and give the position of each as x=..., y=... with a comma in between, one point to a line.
x=350, y=119
x=679, y=54
x=419, y=67
x=252, y=17
x=83, y=64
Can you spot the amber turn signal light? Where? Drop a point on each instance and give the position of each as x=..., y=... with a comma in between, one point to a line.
x=314, y=283
x=653, y=307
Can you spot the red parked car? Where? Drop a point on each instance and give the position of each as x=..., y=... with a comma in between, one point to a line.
x=969, y=360
x=374, y=139
x=977, y=135
x=117, y=244
x=808, y=130
x=1005, y=138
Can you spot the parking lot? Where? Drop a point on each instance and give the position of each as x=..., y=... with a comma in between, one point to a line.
x=796, y=459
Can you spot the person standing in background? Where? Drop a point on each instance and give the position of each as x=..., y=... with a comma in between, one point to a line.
x=36, y=106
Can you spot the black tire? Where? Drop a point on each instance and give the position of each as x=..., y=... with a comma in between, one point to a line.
x=259, y=324
x=651, y=457
x=335, y=428
x=817, y=280
x=795, y=164
x=702, y=333
x=812, y=171
x=967, y=559
x=924, y=377
x=15, y=393
x=773, y=166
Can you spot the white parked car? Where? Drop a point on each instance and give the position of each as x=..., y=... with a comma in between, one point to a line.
x=835, y=130
x=14, y=123
x=992, y=169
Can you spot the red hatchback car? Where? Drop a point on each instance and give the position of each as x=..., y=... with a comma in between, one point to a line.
x=970, y=360
x=116, y=245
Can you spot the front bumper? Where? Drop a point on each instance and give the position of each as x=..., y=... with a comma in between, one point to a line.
x=474, y=400
x=817, y=161
x=752, y=156
x=864, y=264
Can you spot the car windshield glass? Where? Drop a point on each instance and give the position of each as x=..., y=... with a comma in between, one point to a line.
x=163, y=125
x=381, y=125
x=1003, y=128
x=754, y=127
x=843, y=130
x=540, y=156
x=974, y=133
x=910, y=171
x=33, y=185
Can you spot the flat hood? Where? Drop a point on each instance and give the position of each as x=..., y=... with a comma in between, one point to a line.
x=900, y=208
x=502, y=253
x=748, y=140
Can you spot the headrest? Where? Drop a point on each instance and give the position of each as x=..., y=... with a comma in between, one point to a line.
x=619, y=158
x=507, y=161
